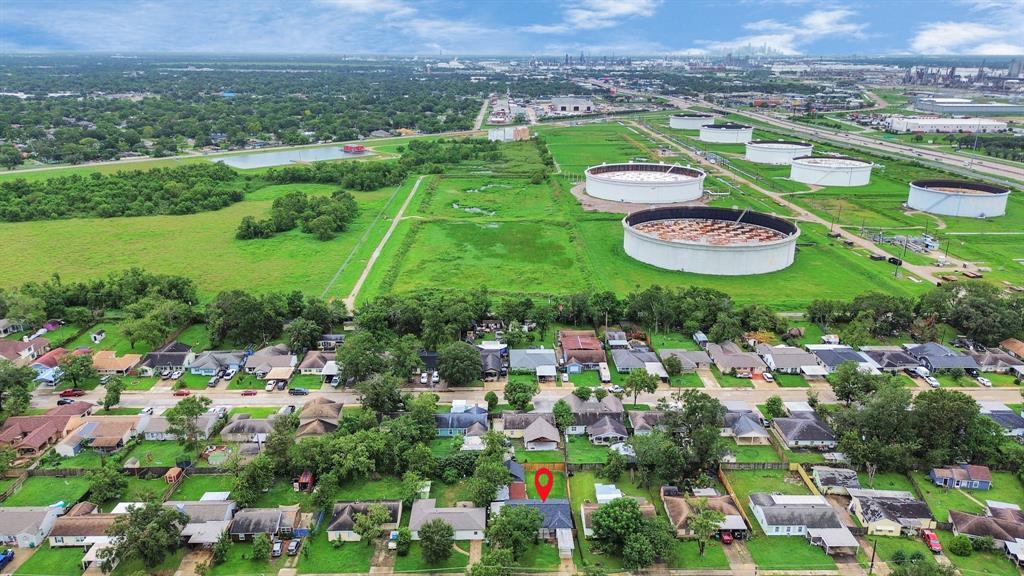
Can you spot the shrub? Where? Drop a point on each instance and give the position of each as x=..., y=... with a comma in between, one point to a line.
x=899, y=557
x=983, y=544
x=404, y=541
x=961, y=545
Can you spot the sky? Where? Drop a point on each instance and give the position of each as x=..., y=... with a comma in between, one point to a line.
x=523, y=27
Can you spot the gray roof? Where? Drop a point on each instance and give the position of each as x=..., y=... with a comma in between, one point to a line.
x=606, y=426
x=160, y=424
x=745, y=423
x=516, y=470
x=343, y=514
x=590, y=411
x=256, y=521
x=810, y=515
x=631, y=359
x=174, y=354
x=426, y=510
x=556, y=511
x=900, y=507
x=242, y=424
x=216, y=359
x=644, y=420
x=892, y=359
x=522, y=420
x=804, y=429
x=838, y=477
x=19, y=520
x=938, y=357
x=459, y=420
x=530, y=359
x=688, y=358
x=835, y=356
x=787, y=357
x=204, y=511
x=490, y=360
x=1007, y=419
x=995, y=359
x=540, y=429
x=729, y=356
x=276, y=356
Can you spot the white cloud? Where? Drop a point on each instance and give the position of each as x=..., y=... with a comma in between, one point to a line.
x=791, y=37
x=386, y=7
x=596, y=15
x=997, y=30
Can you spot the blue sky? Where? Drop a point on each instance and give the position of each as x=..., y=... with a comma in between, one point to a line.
x=527, y=27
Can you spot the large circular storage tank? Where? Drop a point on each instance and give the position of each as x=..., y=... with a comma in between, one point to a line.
x=776, y=151
x=830, y=171
x=728, y=133
x=690, y=121
x=706, y=240
x=645, y=183
x=958, y=198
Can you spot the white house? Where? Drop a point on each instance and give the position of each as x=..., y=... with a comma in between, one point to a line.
x=342, y=522
x=28, y=526
x=468, y=523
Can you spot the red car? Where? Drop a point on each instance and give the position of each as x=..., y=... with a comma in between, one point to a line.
x=72, y=393
x=183, y=392
x=727, y=538
x=932, y=541
x=248, y=392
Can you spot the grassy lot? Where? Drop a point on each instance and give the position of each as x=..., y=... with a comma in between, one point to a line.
x=686, y=556
x=48, y=561
x=448, y=494
x=117, y=412
x=413, y=561
x=539, y=557
x=307, y=381
x=804, y=456
x=1006, y=487
x=673, y=341
x=730, y=381
x=324, y=557
x=138, y=490
x=45, y=490
x=745, y=482
x=988, y=563
x=193, y=487
x=441, y=447
x=114, y=339
x=788, y=553
x=887, y=481
x=387, y=488
x=524, y=456
x=282, y=494
x=885, y=547
x=557, y=487
x=759, y=453
x=85, y=459
x=166, y=568
x=941, y=500
x=581, y=488
x=791, y=381
x=238, y=563
x=253, y=411
x=56, y=337
x=686, y=380
x=139, y=383
x=581, y=451
x=165, y=453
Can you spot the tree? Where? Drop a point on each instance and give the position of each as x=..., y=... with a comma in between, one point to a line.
x=492, y=401
x=404, y=541
x=950, y=428
x=961, y=545
x=583, y=392
x=850, y=383
x=148, y=533
x=112, y=397
x=957, y=374
x=694, y=424
x=252, y=480
x=404, y=354
x=14, y=388
x=774, y=407
x=412, y=484
x=380, y=393
x=490, y=475
x=221, y=548
x=515, y=528
x=641, y=381
x=261, y=546
x=615, y=521
x=673, y=365
x=459, y=364
x=183, y=420
x=323, y=494
x=368, y=525
x=26, y=309
x=496, y=562
x=515, y=336
x=75, y=369
x=361, y=356
x=614, y=466
x=657, y=458
x=302, y=335
x=436, y=540
x=107, y=482
x=7, y=456
x=563, y=415
x=705, y=524
x=519, y=393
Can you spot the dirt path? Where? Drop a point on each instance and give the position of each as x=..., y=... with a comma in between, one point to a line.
x=350, y=300
x=480, y=115
x=707, y=378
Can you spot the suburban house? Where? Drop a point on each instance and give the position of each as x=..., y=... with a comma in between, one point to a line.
x=809, y=516
x=319, y=416
x=107, y=363
x=587, y=509
x=174, y=356
x=587, y=412
x=459, y=423
x=315, y=361
x=342, y=523
x=934, y=356
x=330, y=342
x=207, y=520
x=804, y=432
x=27, y=527
x=627, y=360
x=209, y=363
x=890, y=358
x=690, y=360
x=1003, y=522
x=491, y=363
x=514, y=424
x=103, y=434
x=540, y=362
x=607, y=431
x=266, y=359
x=468, y=523
x=581, y=350
x=679, y=508
x=786, y=359
x=890, y=512
x=701, y=339
x=834, y=480
x=644, y=422
x=730, y=359
x=541, y=434
x=157, y=427
x=1014, y=347
x=10, y=326
x=831, y=356
x=1011, y=422
x=616, y=339
x=249, y=522
x=963, y=476
x=994, y=360
x=242, y=428
x=82, y=526
x=743, y=424
x=31, y=435
x=556, y=524
x=23, y=353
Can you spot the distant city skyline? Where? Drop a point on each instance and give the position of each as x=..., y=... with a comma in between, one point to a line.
x=601, y=27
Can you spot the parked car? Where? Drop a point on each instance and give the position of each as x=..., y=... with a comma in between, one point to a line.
x=281, y=384
x=435, y=377
x=269, y=387
x=6, y=557
x=726, y=538
x=896, y=261
x=984, y=382
x=616, y=389
x=298, y=392
x=176, y=374
x=165, y=374
x=276, y=552
x=248, y=392
x=105, y=379
x=768, y=377
x=147, y=410
x=230, y=374
x=423, y=378
x=221, y=373
x=293, y=547
x=65, y=401
x=931, y=541
x=212, y=382
x=72, y=393
x=932, y=381
x=183, y=392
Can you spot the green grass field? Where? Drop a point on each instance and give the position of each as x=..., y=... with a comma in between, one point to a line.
x=48, y=561
x=324, y=558
x=114, y=340
x=978, y=563
x=414, y=562
x=238, y=563
x=581, y=451
x=46, y=490
x=193, y=487
x=749, y=453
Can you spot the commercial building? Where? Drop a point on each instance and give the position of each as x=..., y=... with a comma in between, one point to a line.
x=935, y=124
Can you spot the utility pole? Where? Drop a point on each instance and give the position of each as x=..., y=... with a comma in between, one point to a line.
x=902, y=256
x=871, y=569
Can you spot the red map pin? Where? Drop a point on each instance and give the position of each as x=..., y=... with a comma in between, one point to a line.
x=543, y=489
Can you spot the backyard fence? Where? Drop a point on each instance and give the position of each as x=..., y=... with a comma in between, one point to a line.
x=755, y=466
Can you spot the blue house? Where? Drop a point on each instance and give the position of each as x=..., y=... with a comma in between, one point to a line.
x=209, y=363
x=962, y=476
x=459, y=423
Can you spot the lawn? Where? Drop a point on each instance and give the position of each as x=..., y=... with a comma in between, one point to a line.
x=413, y=561
x=525, y=456
x=139, y=383
x=238, y=563
x=557, y=486
x=387, y=488
x=804, y=456
x=114, y=339
x=791, y=381
x=323, y=557
x=581, y=489
x=755, y=453
x=730, y=381
x=1006, y=487
x=989, y=563
x=941, y=500
x=48, y=561
x=745, y=482
x=117, y=412
x=538, y=557
x=307, y=381
x=686, y=380
x=788, y=553
x=886, y=546
x=55, y=337
x=441, y=447
x=46, y=490
x=166, y=568
x=194, y=486
x=448, y=494
x=887, y=481
x=253, y=411
x=85, y=459
x=581, y=451
x=686, y=556
x=162, y=453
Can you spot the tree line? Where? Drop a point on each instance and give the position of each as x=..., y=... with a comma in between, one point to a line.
x=321, y=216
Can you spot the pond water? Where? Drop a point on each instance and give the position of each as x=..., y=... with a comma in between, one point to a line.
x=282, y=157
